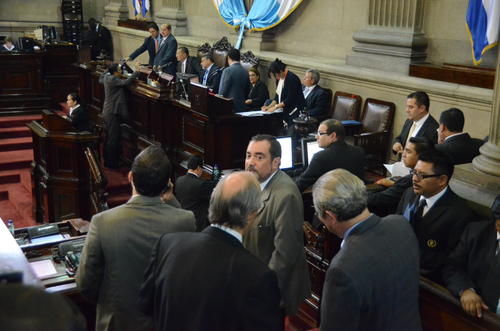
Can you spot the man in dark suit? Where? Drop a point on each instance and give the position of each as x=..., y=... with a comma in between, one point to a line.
x=208, y=281
x=277, y=236
x=99, y=39
x=386, y=202
x=316, y=98
x=187, y=64
x=194, y=192
x=455, y=143
x=120, y=241
x=151, y=44
x=438, y=216
x=114, y=112
x=420, y=122
x=211, y=73
x=234, y=83
x=78, y=115
x=336, y=154
x=165, y=57
x=372, y=283
x=472, y=271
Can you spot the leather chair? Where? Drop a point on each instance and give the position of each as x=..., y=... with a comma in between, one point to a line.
x=249, y=60
x=345, y=106
x=220, y=50
x=376, y=125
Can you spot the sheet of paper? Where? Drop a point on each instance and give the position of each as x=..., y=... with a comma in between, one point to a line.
x=44, y=268
x=47, y=239
x=397, y=169
x=258, y=112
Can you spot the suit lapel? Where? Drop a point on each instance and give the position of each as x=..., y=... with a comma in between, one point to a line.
x=439, y=207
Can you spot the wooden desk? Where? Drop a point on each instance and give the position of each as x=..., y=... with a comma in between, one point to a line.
x=209, y=129
x=60, y=169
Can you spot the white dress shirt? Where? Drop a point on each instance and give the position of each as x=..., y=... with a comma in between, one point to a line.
x=432, y=200
x=264, y=183
x=232, y=232
x=419, y=124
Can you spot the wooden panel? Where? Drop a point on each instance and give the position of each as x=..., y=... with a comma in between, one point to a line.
x=20, y=73
x=466, y=75
x=193, y=133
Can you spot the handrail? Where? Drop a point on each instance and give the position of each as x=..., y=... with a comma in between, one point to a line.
x=98, y=182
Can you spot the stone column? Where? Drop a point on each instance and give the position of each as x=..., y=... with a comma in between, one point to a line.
x=115, y=10
x=393, y=38
x=489, y=159
x=172, y=12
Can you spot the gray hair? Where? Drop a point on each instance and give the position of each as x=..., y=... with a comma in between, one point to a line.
x=234, y=210
x=340, y=192
x=315, y=75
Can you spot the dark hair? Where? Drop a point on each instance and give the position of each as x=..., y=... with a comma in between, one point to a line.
x=92, y=22
x=275, y=149
x=151, y=170
x=194, y=162
x=421, y=144
x=75, y=97
x=334, y=126
x=208, y=56
x=113, y=68
x=255, y=71
x=234, y=54
x=184, y=50
x=153, y=25
x=9, y=39
x=453, y=119
x=421, y=98
x=441, y=163
x=276, y=67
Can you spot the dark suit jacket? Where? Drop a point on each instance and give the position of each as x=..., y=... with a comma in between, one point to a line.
x=165, y=58
x=386, y=202
x=317, y=102
x=100, y=40
x=258, y=94
x=80, y=119
x=115, y=101
x=234, y=84
x=192, y=66
x=213, y=80
x=116, y=254
x=148, y=45
x=208, y=281
x=439, y=230
x=337, y=155
x=292, y=96
x=461, y=149
x=428, y=130
x=470, y=263
x=194, y=194
x=360, y=293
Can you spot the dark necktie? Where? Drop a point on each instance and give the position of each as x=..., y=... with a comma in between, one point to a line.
x=418, y=212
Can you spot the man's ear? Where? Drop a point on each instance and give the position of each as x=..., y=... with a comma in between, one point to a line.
x=275, y=165
x=330, y=216
x=130, y=177
x=333, y=136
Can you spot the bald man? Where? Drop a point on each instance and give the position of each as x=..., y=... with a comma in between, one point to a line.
x=224, y=287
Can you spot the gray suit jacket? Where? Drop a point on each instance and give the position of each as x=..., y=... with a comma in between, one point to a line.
x=234, y=84
x=116, y=255
x=373, y=281
x=166, y=55
x=115, y=101
x=277, y=238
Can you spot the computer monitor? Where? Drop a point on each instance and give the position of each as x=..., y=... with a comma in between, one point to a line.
x=309, y=148
x=286, y=152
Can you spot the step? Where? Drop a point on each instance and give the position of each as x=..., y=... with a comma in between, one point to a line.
x=9, y=178
x=15, y=132
x=12, y=121
x=13, y=144
x=15, y=159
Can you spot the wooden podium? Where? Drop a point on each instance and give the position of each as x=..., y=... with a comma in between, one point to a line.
x=60, y=171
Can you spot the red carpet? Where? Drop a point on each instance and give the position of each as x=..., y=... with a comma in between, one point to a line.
x=16, y=155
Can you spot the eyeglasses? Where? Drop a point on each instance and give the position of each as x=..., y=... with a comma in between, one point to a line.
x=421, y=176
x=321, y=133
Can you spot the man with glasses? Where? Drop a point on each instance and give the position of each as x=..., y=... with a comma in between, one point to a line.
x=336, y=154
x=438, y=216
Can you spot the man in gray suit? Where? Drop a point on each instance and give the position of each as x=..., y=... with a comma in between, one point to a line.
x=114, y=112
x=120, y=241
x=277, y=236
x=372, y=283
x=165, y=58
x=234, y=83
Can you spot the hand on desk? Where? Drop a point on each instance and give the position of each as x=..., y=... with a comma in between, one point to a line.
x=248, y=101
x=472, y=303
x=385, y=182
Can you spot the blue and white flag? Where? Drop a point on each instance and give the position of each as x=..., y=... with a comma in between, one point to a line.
x=141, y=7
x=263, y=15
x=483, y=18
